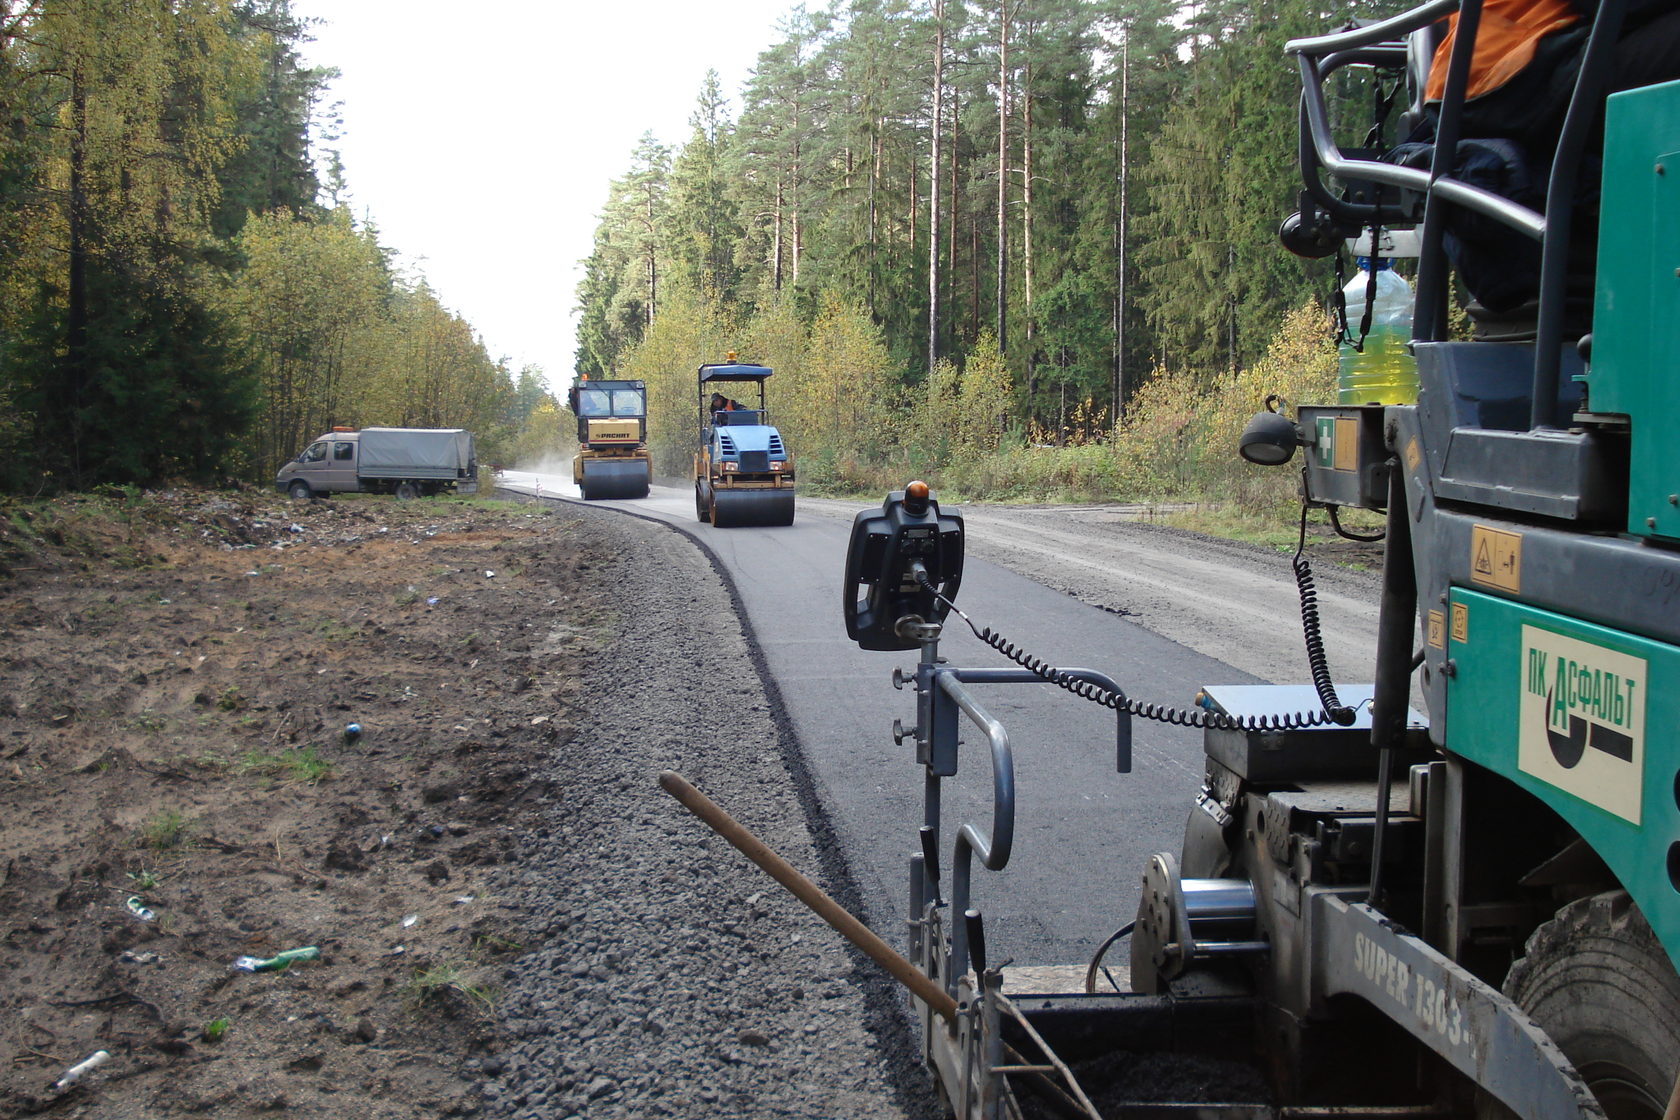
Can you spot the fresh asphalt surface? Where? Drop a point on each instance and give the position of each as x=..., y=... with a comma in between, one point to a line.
x=1083, y=831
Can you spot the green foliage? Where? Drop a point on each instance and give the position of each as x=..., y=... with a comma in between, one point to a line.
x=430, y=986
x=174, y=303
x=216, y=1029
x=306, y=305
x=1181, y=436
x=620, y=296
x=167, y=829
x=1146, y=154
x=302, y=765
x=703, y=219
x=684, y=337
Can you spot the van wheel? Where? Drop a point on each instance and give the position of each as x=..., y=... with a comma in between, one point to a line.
x=407, y=491
x=300, y=490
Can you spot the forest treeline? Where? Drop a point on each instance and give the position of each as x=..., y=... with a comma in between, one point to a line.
x=181, y=296
x=1027, y=246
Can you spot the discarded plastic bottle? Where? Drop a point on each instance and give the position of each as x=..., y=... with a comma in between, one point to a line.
x=1384, y=372
x=75, y=1072
x=278, y=960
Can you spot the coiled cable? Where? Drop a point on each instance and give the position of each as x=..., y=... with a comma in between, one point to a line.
x=1319, y=664
x=1334, y=711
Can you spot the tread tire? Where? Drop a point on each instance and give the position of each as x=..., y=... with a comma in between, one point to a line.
x=1599, y=982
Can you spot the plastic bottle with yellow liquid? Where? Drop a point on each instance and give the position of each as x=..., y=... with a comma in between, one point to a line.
x=1383, y=372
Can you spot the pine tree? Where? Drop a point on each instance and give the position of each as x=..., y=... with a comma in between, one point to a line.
x=1220, y=174
x=620, y=295
x=143, y=96
x=271, y=168
x=702, y=213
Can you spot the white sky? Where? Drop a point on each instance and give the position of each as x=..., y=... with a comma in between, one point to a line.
x=480, y=138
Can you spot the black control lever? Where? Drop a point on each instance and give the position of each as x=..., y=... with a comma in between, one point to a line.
x=904, y=562
x=930, y=856
x=976, y=940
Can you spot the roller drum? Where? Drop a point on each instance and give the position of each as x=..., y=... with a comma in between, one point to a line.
x=615, y=478
x=740, y=508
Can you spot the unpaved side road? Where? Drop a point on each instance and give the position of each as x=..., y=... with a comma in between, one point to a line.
x=1228, y=600
x=1236, y=602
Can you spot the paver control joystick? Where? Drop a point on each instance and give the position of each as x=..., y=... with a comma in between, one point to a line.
x=902, y=563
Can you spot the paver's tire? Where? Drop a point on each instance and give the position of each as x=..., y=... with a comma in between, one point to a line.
x=407, y=491
x=1598, y=981
x=702, y=510
x=299, y=489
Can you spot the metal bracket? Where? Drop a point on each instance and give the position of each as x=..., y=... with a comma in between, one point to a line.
x=1359, y=951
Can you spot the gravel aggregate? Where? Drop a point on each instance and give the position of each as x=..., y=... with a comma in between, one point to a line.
x=663, y=973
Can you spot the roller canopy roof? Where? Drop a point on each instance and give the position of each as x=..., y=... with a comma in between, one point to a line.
x=740, y=371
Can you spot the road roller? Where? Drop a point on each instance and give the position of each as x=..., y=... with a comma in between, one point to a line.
x=743, y=472
x=612, y=459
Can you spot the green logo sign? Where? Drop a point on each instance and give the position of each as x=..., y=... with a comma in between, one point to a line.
x=1582, y=724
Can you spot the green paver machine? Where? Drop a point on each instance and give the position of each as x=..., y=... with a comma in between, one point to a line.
x=1472, y=914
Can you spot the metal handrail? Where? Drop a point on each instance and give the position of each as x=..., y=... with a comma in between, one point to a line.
x=993, y=850
x=1122, y=717
x=1319, y=56
x=1322, y=55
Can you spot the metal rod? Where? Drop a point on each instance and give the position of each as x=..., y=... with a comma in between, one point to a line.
x=1396, y=625
x=1429, y=318
x=1373, y=33
x=1074, y=1089
x=810, y=894
x=1361, y=1112
x=1584, y=106
x=993, y=850
x=1122, y=718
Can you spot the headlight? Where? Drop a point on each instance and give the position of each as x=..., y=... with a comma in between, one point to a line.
x=728, y=466
x=777, y=464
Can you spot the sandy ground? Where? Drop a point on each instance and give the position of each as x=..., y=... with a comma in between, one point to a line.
x=179, y=790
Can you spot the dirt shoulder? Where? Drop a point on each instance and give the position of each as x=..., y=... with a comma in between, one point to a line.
x=180, y=789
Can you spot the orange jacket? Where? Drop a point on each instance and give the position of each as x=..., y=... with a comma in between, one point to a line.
x=1505, y=43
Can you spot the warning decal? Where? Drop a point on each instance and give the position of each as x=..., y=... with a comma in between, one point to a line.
x=1496, y=558
x=1582, y=722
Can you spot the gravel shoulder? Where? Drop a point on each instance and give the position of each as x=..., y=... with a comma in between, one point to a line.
x=674, y=978
x=513, y=920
